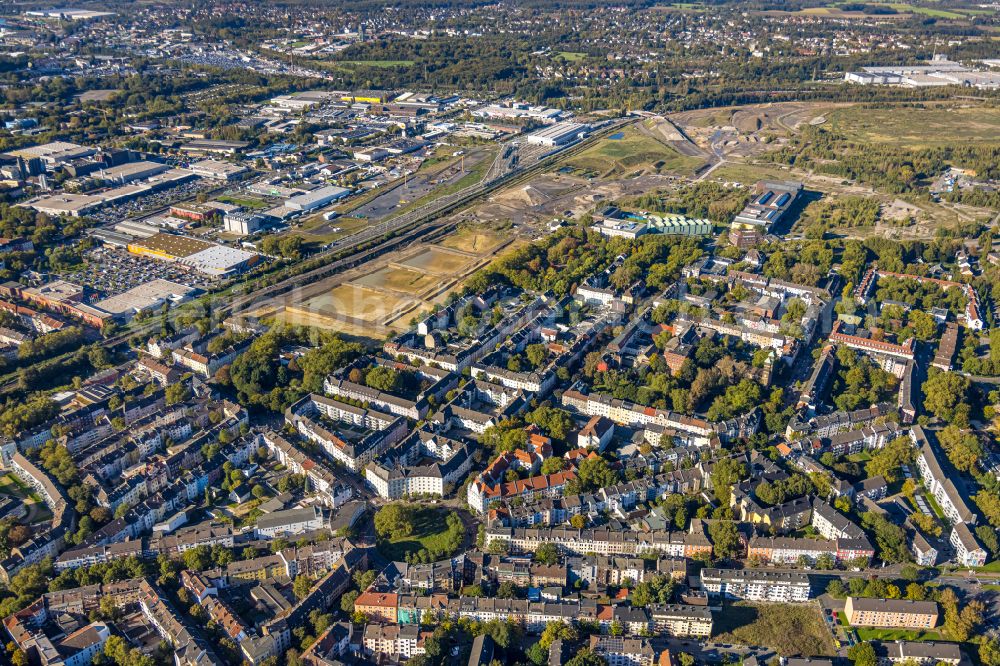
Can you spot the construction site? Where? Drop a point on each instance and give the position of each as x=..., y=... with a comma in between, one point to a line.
x=382, y=297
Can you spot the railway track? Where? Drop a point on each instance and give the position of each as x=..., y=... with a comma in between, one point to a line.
x=411, y=225
x=372, y=242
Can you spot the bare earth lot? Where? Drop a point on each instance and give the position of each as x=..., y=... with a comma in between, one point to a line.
x=383, y=297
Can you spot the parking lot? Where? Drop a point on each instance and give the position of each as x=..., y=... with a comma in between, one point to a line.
x=111, y=271
x=154, y=201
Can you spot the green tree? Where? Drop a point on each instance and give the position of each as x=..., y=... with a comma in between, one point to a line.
x=586, y=657
x=176, y=393
x=198, y=558
x=301, y=586
x=394, y=521
x=547, y=553
x=946, y=396
x=988, y=537
x=835, y=588
x=862, y=654
x=557, y=423
x=536, y=353
x=962, y=448
x=891, y=458
x=988, y=502
x=915, y=592
x=382, y=378
x=825, y=561
x=221, y=556
x=727, y=472
x=989, y=652
x=553, y=464
x=595, y=473
x=507, y=590
x=726, y=543
x=347, y=601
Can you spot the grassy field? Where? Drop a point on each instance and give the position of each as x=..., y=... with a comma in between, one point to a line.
x=913, y=127
x=570, y=56
x=317, y=230
x=870, y=634
x=748, y=174
x=476, y=241
x=927, y=11
x=634, y=151
x=992, y=567
x=788, y=629
x=253, y=204
x=430, y=532
x=904, y=8
x=935, y=507
x=13, y=486
x=901, y=8
x=377, y=63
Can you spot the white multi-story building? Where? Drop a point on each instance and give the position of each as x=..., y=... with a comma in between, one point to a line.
x=968, y=552
x=397, y=474
x=290, y=523
x=681, y=620
x=938, y=482
x=602, y=541
x=392, y=640
x=832, y=524
x=619, y=651
x=384, y=430
x=755, y=585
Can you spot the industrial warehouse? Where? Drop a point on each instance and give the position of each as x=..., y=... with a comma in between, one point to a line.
x=208, y=258
x=558, y=134
x=772, y=199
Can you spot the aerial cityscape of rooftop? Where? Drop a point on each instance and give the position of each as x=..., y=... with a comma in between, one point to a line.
x=500, y=333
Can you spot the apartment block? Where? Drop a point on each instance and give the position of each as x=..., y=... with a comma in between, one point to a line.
x=895, y=613
x=755, y=585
